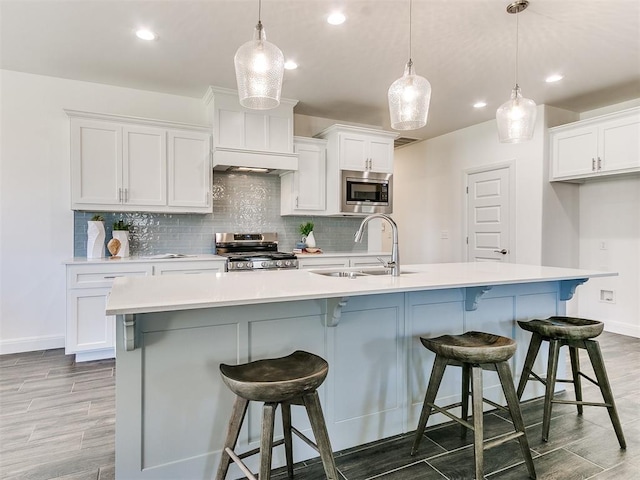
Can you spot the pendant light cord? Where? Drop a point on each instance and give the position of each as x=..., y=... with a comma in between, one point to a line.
x=517, y=42
x=410, y=22
x=259, y=10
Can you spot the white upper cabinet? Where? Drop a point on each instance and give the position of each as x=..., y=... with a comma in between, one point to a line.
x=129, y=164
x=606, y=145
x=303, y=191
x=360, y=149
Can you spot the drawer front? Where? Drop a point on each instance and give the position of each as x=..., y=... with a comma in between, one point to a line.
x=178, y=268
x=335, y=262
x=96, y=276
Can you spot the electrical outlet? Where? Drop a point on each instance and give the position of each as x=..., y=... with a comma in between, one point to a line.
x=607, y=296
x=444, y=234
x=602, y=245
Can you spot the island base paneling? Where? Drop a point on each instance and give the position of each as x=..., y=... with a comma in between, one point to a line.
x=172, y=407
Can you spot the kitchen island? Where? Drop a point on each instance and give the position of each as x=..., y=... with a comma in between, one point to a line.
x=172, y=333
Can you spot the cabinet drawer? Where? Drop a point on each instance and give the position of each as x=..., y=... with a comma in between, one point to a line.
x=369, y=261
x=96, y=276
x=188, y=267
x=335, y=262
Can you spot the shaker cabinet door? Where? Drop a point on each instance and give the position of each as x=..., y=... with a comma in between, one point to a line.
x=96, y=162
x=144, y=166
x=190, y=170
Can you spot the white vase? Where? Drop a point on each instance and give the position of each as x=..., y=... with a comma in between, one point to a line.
x=311, y=240
x=123, y=236
x=95, y=239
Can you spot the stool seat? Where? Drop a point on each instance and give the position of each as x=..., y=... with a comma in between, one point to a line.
x=472, y=347
x=569, y=328
x=276, y=379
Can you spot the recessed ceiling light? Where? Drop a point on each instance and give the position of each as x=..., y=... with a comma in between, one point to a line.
x=290, y=65
x=479, y=104
x=336, y=18
x=554, y=78
x=145, y=34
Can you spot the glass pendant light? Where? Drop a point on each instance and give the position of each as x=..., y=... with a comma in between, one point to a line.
x=409, y=96
x=516, y=117
x=259, y=70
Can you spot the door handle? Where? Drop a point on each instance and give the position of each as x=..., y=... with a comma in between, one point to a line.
x=504, y=251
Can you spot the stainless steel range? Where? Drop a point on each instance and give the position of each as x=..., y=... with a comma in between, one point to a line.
x=253, y=251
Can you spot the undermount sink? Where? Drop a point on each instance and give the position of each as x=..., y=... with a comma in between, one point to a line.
x=356, y=273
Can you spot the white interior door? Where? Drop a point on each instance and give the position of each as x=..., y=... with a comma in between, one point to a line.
x=488, y=215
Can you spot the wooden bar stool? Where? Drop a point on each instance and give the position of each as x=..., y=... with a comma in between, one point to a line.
x=475, y=351
x=575, y=333
x=285, y=381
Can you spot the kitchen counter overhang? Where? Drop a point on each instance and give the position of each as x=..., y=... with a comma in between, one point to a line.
x=184, y=292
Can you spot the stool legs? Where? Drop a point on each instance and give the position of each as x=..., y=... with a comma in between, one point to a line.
x=237, y=415
x=532, y=353
x=314, y=410
x=552, y=369
x=575, y=371
x=478, y=420
x=465, y=397
x=430, y=397
x=595, y=355
x=513, y=403
x=288, y=438
x=266, y=439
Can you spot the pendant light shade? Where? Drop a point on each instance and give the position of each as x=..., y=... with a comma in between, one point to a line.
x=259, y=71
x=516, y=117
x=409, y=96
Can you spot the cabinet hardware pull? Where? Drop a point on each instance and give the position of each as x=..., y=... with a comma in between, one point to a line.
x=111, y=276
x=599, y=163
x=126, y=195
x=593, y=164
x=296, y=201
x=120, y=195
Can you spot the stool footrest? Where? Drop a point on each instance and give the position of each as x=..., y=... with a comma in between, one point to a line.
x=445, y=411
x=305, y=439
x=580, y=402
x=501, y=439
x=240, y=463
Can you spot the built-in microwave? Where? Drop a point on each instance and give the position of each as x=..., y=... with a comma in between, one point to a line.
x=366, y=192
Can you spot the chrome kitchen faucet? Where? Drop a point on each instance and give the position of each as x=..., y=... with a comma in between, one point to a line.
x=394, y=264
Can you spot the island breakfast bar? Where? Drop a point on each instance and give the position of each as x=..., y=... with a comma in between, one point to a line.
x=172, y=407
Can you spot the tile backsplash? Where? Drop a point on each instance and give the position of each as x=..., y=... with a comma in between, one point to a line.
x=241, y=203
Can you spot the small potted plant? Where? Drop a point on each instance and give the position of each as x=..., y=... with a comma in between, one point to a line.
x=306, y=230
x=121, y=232
x=95, y=237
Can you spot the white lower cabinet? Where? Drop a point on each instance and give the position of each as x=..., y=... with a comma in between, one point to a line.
x=90, y=334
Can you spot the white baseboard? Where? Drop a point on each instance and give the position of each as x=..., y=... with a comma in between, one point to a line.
x=31, y=344
x=622, y=328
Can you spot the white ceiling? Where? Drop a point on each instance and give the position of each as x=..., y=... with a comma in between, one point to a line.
x=465, y=48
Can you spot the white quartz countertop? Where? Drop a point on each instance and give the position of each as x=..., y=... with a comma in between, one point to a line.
x=162, y=257
x=183, y=292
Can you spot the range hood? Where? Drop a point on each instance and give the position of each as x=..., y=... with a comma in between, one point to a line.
x=241, y=160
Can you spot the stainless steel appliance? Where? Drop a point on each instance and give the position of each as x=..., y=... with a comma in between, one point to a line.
x=253, y=251
x=366, y=192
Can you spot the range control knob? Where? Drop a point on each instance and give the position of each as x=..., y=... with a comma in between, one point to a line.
x=287, y=263
x=264, y=264
x=278, y=263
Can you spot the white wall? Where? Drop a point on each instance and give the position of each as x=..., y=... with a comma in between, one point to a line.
x=37, y=222
x=432, y=198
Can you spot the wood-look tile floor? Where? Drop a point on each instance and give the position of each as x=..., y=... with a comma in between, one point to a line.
x=57, y=422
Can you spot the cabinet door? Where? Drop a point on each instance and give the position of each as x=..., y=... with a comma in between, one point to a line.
x=310, y=179
x=574, y=152
x=381, y=155
x=354, y=152
x=96, y=163
x=144, y=166
x=619, y=144
x=190, y=170
x=88, y=328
